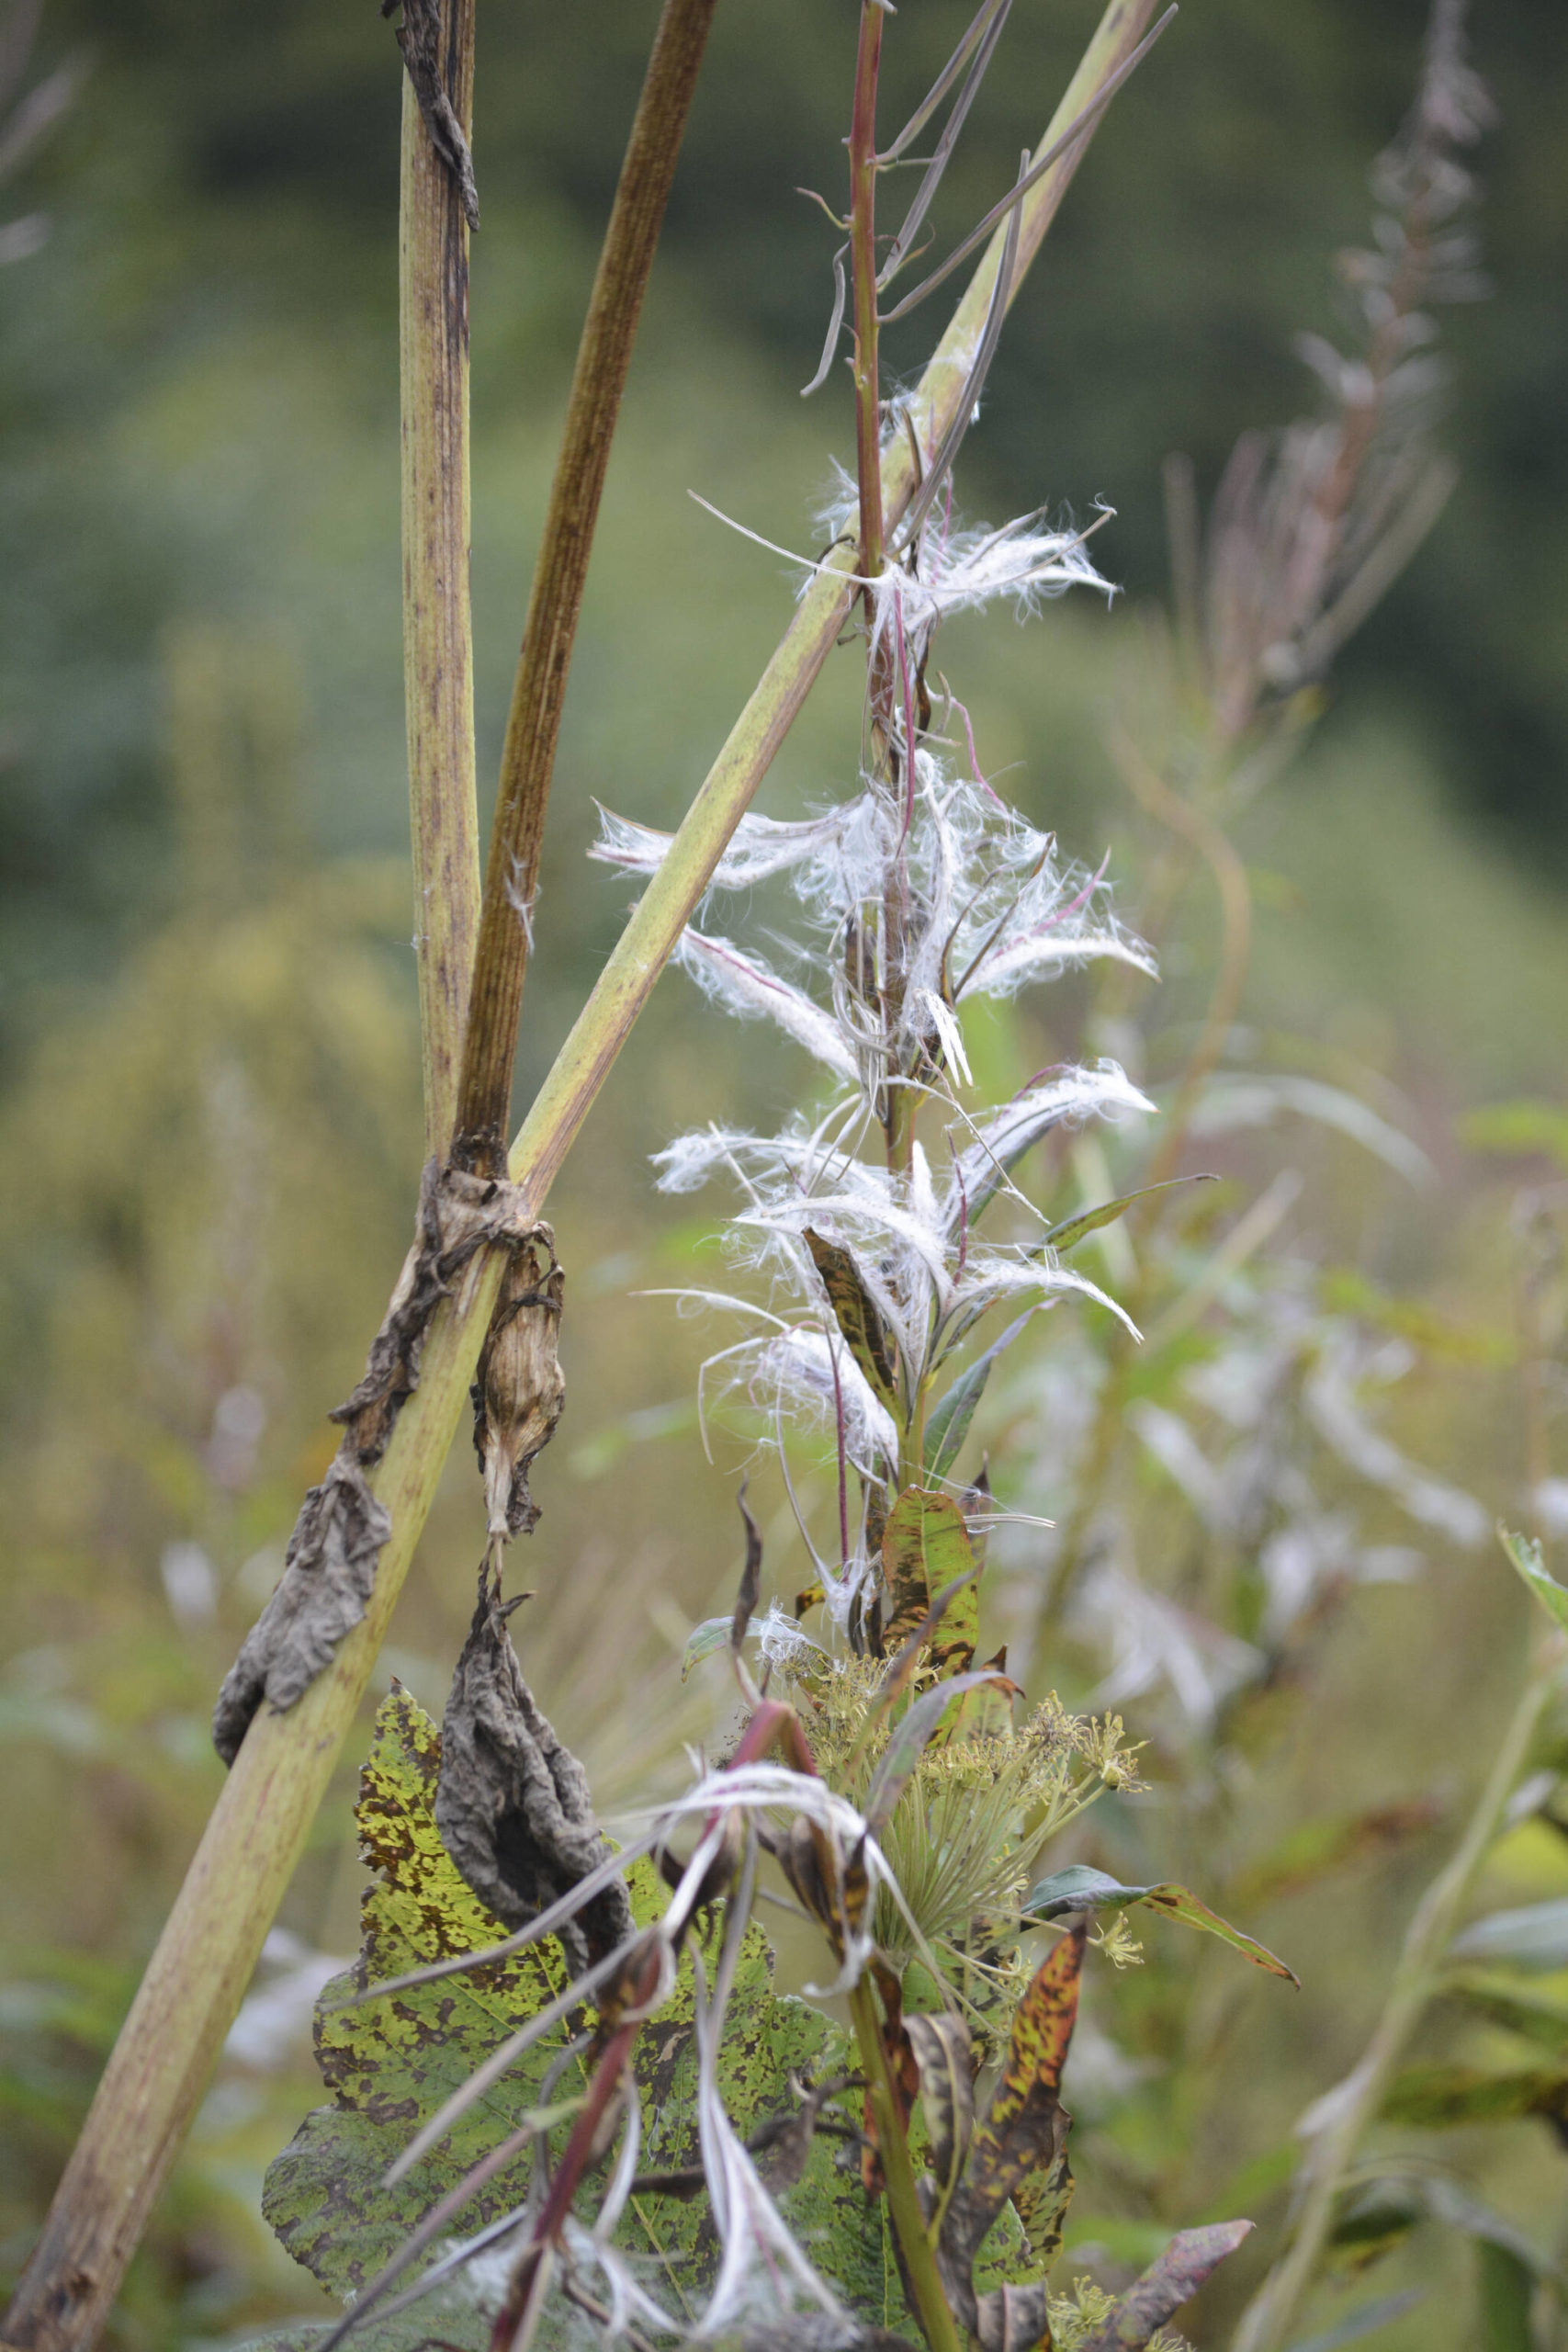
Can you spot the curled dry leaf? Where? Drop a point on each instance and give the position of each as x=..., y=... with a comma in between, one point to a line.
x=519, y=1389
x=1169, y=2283
x=419, y=38
x=321, y=1596
x=945, y=2058
x=512, y=1804
x=330, y=1565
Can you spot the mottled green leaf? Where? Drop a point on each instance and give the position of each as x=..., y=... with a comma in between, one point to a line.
x=947, y=1425
x=712, y=1634
x=855, y=1312
x=390, y=2061
x=1437, y=2096
x=1079, y=1888
x=926, y=1547
x=1025, y=2127
x=1525, y=1555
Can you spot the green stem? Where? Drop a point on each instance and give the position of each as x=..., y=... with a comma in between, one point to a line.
x=438, y=674
x=1270, y=2316
x=555, y=603
x=198, y=1972
x=898, y=2173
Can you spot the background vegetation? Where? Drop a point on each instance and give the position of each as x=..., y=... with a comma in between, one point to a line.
x=210, y=1127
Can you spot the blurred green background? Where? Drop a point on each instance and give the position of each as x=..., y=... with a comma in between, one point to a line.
x=208, y=1074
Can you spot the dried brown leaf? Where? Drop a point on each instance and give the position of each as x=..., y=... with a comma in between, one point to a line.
x=512, y=1804
x=1169, y=2283
x=519, y=1388
x=321, y=1596
x=419, y=38
x=330, y=1568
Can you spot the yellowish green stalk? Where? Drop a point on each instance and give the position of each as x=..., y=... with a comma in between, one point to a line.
x=898, y=2173
x=210, y=1945
x=1270, y=2317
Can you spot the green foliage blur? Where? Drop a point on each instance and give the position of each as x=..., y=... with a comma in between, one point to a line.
x=209, y=1122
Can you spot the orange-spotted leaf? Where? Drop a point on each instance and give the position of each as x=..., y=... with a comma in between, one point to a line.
x=855, y=1312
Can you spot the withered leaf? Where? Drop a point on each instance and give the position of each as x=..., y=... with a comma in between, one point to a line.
x=945, y=2059
x=327, y=1579
x=855, y=1312
x=751, y=1575
x=459, y=1215
x=519, y=1388
x=330, y=1568
x=419, y=38
x=1169, y=2283
x=512, y=1804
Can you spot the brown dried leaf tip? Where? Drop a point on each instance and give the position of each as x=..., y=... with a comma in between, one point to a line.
x=512, y=1804
x=520, y=1387
x=419, y=38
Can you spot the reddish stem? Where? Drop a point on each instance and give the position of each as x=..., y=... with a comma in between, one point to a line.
x=862, y=260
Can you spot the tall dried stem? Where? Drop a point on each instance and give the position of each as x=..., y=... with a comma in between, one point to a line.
x=538, y=692
x=439, y=670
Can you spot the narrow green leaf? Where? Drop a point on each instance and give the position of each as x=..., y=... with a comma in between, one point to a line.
x=1364, y=2320
x=712, y=1634
x=948, y=1424
x=1505, y=2291
x=1525, y=1555
x=855, y=1312
x=1079, y=1888
x=910, y=1738
x=1073, y=1229
x=1535, y=1937
x=1500, y=1998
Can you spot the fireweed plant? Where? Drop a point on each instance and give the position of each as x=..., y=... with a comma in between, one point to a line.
x=568, y=2102
x=1222, y=1489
